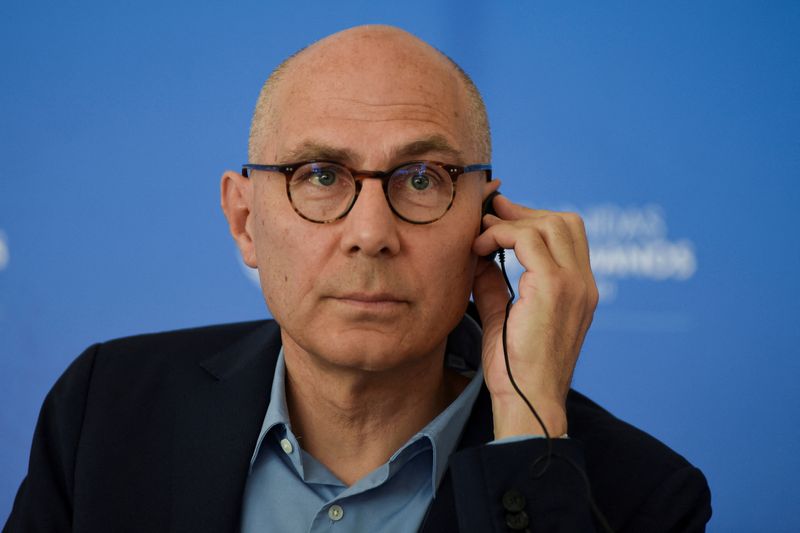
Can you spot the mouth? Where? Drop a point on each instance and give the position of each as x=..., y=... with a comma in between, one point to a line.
x=371, y=301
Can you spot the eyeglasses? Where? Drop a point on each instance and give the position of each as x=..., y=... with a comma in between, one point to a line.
x=419, y=192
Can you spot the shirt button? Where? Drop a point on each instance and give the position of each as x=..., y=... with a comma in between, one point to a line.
x=335, y=513
x=286, y=445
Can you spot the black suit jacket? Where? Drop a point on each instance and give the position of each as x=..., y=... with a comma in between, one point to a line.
x=155, y=433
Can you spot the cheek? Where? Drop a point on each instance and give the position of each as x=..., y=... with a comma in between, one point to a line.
x=284, y=257
x=457, y=263
x=452, y=273
x=273, y=268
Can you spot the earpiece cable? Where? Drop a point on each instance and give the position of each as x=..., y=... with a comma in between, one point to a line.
x=501, y=255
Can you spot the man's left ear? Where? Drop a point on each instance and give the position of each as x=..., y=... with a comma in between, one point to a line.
x=236, y=196
x=489, y=187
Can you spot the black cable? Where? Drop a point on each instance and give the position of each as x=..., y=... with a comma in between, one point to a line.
x=501, y=255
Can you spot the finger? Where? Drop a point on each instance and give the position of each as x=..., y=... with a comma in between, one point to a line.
x=577, y=230
x=508, y=210
x=484, y=244
x=581, y=242
x=558, y=238
x=527, y=242
x=571, y=230
x=551, y=230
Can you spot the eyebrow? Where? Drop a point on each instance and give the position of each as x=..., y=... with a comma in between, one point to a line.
x=311, y=149
x=426, y=145
x=316, y=150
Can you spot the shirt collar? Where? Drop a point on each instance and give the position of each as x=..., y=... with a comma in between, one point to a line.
x=443, y=432
x=277, y=411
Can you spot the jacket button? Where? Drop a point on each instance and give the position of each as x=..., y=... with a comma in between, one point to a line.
x=517, y=521
x=513, y=501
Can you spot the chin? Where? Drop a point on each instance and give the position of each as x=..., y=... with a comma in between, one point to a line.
x=372, y=351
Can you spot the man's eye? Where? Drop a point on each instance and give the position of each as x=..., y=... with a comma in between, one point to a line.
x=420, y=182
x=325, y=178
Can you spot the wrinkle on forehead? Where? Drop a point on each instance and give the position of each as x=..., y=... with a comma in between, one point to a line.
x=375, y=135
x=376, y=104
x=368, y=112
x=390, y=84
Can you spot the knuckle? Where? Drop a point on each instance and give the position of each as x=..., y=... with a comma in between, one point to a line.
x=581, y=290
x=553, y=224
x=553, y=219
x=573, y=219
x=592, y=294
x=576, y=224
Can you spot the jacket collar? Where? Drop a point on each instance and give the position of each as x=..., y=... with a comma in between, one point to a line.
x=264, y=341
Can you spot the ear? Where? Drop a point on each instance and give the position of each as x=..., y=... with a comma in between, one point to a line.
x=489, y=187
x=236, y=194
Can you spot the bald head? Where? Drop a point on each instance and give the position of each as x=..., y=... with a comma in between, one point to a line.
x=378, y=65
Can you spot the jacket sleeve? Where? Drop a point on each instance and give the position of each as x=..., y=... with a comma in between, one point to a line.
x=501, y=487
x=45, y=497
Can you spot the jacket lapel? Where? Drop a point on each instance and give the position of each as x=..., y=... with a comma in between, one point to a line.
x=441, y=517
x=218, y=416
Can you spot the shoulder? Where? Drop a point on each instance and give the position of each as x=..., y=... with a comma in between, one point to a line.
x=169, y=349
x=143, y=380
x=632, y=473
x=119, y=416
x=154, y=360
x=605, y=435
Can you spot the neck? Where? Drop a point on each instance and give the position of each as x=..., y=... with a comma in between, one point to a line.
x=353, y=420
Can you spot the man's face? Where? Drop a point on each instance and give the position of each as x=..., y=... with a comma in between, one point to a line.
x=369, y=291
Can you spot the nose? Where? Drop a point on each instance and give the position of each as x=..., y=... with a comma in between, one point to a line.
x=371, y=227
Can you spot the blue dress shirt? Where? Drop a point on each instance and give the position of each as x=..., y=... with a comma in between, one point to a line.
x=288, y=490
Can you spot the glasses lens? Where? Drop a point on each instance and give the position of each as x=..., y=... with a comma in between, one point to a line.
x=321, y=191
x=420, y=192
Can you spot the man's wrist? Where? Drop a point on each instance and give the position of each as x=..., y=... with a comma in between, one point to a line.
x=515, y=419
x=519, y=438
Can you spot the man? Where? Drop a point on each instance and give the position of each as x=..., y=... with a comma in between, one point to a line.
x=372, y=403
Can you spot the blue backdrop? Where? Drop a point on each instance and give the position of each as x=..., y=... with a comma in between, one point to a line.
x=674, y=128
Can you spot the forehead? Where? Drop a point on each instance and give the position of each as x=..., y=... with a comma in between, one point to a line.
x=369, y=98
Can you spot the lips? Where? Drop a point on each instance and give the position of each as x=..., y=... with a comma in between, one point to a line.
x=372, y=303
x=371, y=297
